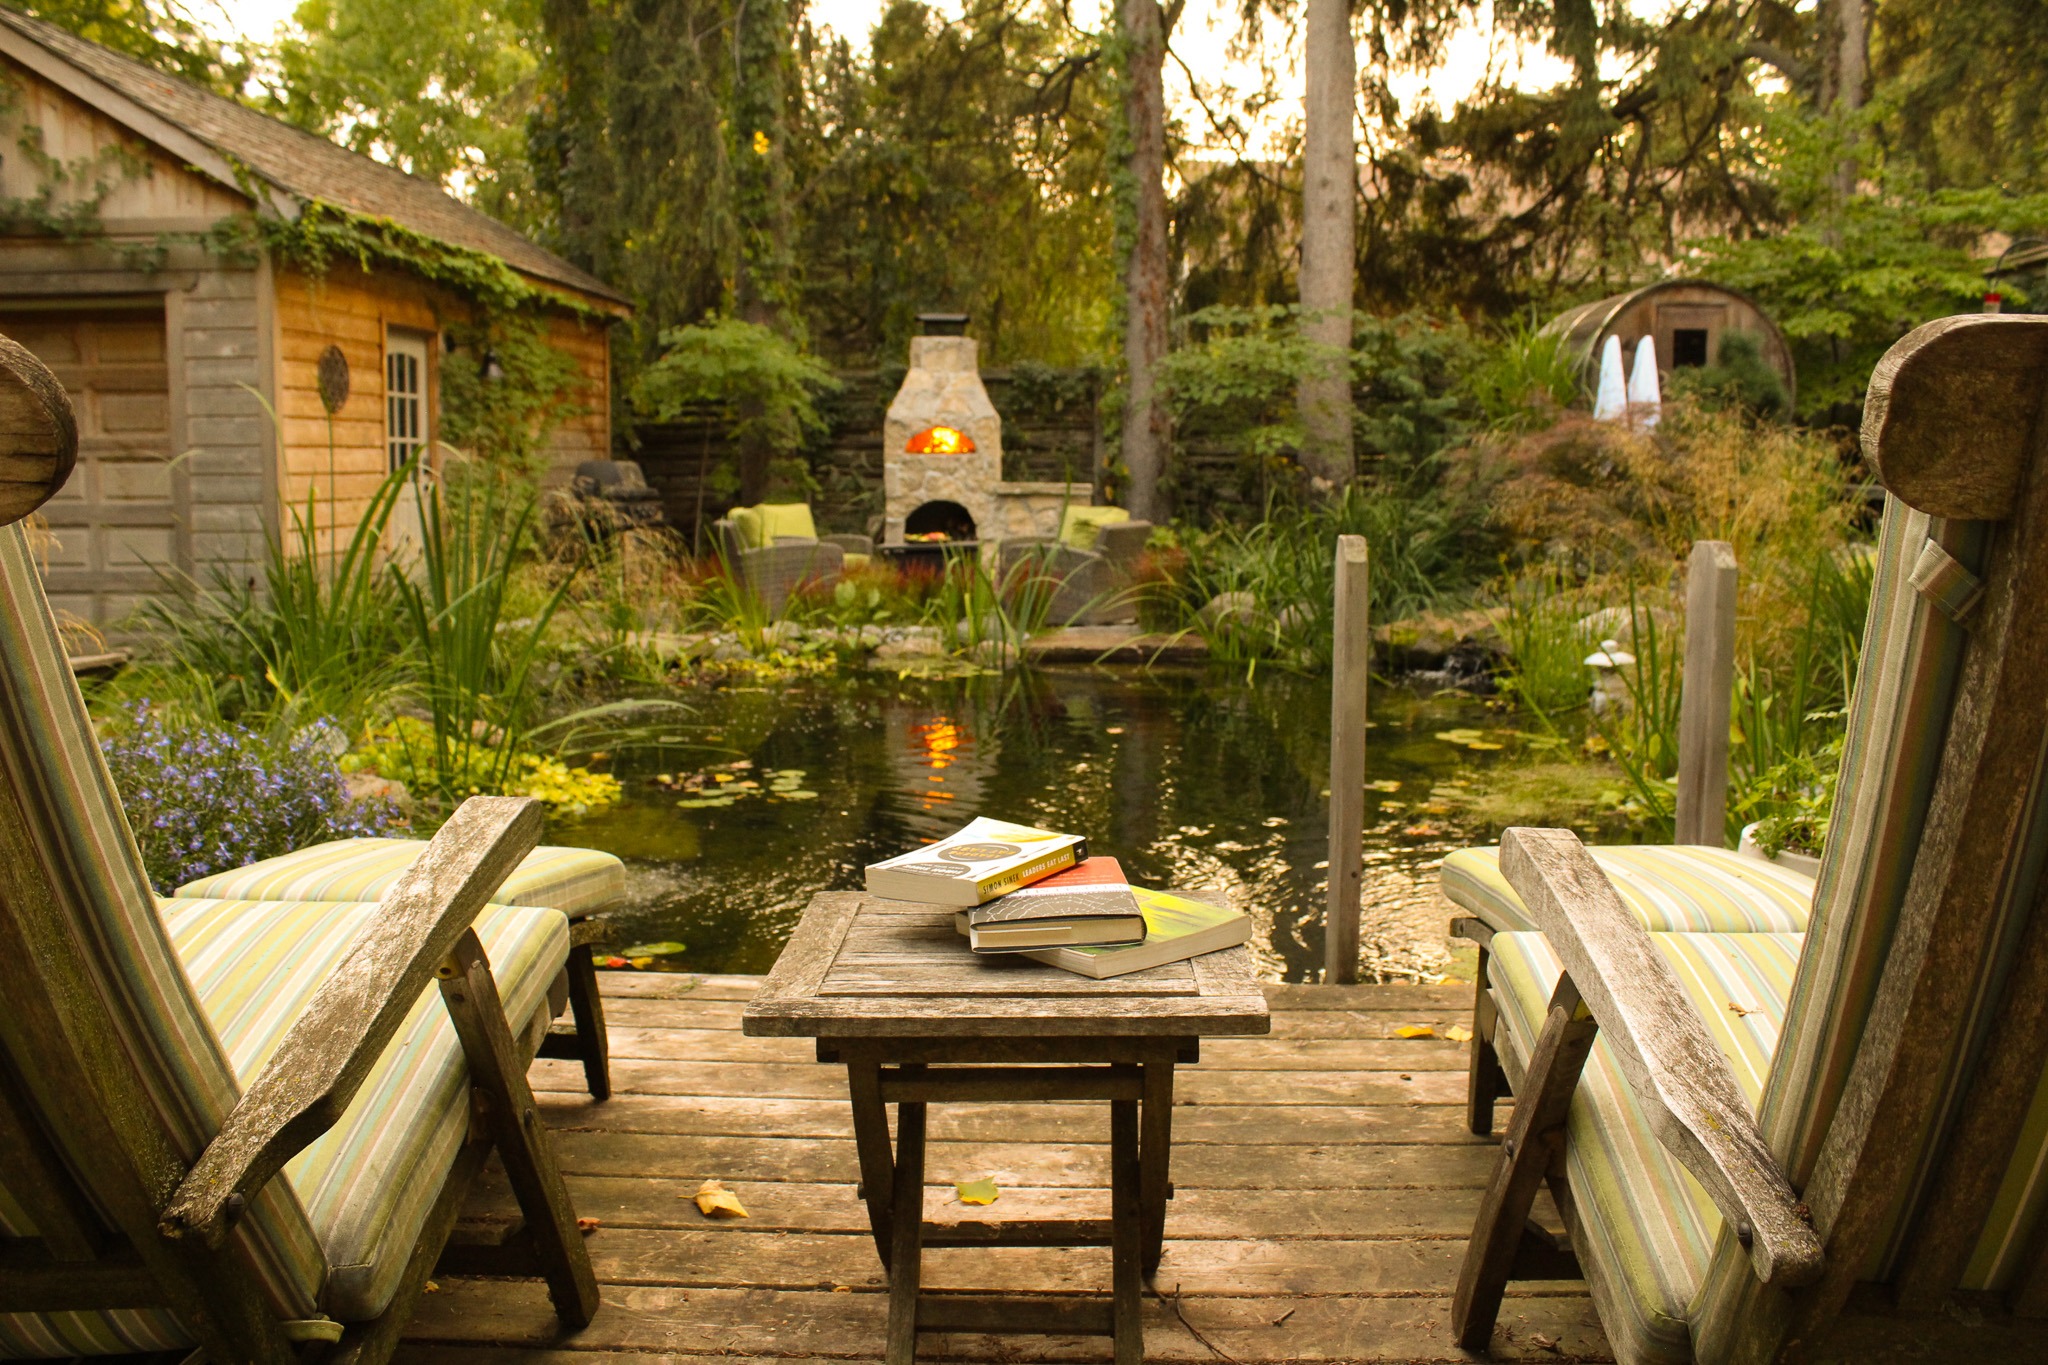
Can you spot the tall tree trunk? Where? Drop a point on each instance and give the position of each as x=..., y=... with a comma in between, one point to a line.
x=576, y=170
x=1148, y=429
x=1329, y=188
x=1845, y=75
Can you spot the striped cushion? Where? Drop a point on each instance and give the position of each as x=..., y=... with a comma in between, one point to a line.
x=368, y=1183
x=1650, y=1228
x=576, y=881
x=1686, y=888
x=87, y=859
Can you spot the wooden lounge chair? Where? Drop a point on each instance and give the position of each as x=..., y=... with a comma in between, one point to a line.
x=240, y=1127
x=1748, y=1133
x=582, y=883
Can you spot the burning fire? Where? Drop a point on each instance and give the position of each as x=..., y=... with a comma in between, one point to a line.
x=941, y=441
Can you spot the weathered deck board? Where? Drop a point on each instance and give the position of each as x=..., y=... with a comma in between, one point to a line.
x=1324, y=1184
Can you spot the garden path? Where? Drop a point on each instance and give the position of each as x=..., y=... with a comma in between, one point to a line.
x=1325, y=1189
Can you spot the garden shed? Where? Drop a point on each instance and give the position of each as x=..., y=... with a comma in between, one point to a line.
x=183, y=263
x=1687, y=319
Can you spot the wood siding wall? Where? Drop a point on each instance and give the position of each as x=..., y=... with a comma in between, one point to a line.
x=355, y=310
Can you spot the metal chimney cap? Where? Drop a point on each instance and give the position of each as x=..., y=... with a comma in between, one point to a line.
x=942, y=324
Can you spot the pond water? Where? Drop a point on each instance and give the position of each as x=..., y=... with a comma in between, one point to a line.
x=1191, y=778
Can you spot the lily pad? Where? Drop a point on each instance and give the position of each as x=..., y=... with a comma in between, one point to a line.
x=704, y=802
x=668, y=947
x=798, y=795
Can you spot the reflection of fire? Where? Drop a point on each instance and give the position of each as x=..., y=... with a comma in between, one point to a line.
x=939, y=742
x=941, y=441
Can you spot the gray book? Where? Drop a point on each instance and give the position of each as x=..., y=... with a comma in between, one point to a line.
x=1086, y=905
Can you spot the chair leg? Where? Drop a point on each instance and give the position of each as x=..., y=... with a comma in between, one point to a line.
x=586, y=1007
x=1486, y=1082
x=471, y=995
x=1527, y=1155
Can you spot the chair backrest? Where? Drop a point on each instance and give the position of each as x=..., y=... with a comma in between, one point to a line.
x=111, y=1079
x=1907, y=1100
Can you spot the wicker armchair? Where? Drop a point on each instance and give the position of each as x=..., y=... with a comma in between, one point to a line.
x=774, y=548
x=1091, y=586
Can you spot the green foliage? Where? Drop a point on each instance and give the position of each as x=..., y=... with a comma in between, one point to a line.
x=1237, y=376
x=763, y=390
x=1426, y=544
x=439, y=88
x=160, y=33
x=1547, y=647
x=1963, y=78
x=1740, y=377
x=322, y=639
x=510, y=414
x=1524, y=379
x=476, y=665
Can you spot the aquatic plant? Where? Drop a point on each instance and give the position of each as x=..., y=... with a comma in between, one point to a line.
x=206, y=797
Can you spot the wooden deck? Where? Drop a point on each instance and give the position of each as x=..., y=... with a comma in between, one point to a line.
x=1325, y=1190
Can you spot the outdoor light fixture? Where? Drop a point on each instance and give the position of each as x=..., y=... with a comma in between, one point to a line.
x=941, y=441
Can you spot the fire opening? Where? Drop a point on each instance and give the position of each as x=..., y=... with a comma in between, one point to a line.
x=937, y=523
x=941, y=441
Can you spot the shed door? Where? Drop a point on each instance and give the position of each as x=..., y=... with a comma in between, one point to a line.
x=117, y=519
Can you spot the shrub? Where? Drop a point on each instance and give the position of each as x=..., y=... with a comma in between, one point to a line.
x=206, y=798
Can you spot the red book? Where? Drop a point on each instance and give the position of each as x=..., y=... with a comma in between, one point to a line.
x=1089, y=904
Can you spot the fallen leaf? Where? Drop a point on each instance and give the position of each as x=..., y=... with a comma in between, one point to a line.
x=842, y=1289
x=642, y=963
x=1415, y=1031
x=1740, y=1010
x=433, y=1288
x=588, y=1224
x=1541, y=1342
x=982, y=1191
x=667, y=947
x=716, y=1201
x=1458, y=1033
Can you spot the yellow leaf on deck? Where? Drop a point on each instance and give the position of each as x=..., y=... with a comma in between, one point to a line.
x=716, y=1201
x=982, y=1191
x=1458, y=1033
x=1415, y=1031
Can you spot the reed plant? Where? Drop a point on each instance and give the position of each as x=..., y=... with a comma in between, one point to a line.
x=323, y=637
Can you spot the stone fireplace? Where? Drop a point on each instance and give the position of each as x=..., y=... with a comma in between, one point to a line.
x=942, y=455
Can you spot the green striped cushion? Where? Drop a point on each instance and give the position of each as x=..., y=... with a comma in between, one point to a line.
x=2010, y=1234
x=576, y=881
x=1898, y=718
x=1686, y=888
x=368, y=1183
x=1650, y=1228
x=88, y=861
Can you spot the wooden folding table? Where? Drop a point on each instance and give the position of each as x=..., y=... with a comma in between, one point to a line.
x=891, y=990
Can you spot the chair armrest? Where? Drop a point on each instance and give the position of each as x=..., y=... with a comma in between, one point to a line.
x=1678, y=1073
x=329, y=1050
x=852, y=544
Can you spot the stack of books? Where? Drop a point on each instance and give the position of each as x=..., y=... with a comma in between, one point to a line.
x=1037, y=893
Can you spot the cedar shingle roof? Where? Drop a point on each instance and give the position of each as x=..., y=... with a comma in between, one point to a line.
x=303, y=165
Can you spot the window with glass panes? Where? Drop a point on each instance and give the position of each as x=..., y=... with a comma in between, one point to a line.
x=405, y=397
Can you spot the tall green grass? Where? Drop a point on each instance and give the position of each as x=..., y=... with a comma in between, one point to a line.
x=1425, y=546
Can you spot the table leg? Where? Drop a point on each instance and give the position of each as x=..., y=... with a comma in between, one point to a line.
x=871, y=1141
x=907, y=1234
x=1127, y=1233
x=1155, y=1148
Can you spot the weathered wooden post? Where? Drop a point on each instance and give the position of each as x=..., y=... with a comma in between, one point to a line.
x=1707, y=695
x=1350, y=661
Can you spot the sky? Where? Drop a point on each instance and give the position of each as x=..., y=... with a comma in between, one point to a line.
x=1201, y=44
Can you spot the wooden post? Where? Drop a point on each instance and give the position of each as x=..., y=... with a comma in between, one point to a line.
x=1350, y=662
x=1707, y=695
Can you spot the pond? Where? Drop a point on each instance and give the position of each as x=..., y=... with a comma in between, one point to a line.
x=1191, y=778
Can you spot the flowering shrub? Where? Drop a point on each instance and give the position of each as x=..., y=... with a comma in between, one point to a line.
x=404, y=750
x=206, y=798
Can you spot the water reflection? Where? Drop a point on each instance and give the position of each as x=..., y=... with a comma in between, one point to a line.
x=1190, y=779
